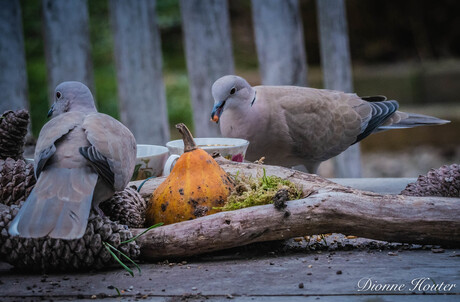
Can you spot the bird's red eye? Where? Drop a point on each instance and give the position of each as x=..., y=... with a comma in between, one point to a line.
x=233, y=90
x=58, y=94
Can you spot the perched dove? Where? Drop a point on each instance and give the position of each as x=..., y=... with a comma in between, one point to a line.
x=293, y=126
x=82, y=157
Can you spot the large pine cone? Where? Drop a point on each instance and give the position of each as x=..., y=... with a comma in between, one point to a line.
x=16, y=180
x=127, y=207
x=13, y=129
x=444, y=181
x=46, y=254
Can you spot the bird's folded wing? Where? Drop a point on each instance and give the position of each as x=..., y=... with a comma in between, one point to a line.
x=50, y=133
x=114, y=144
x=321, y=123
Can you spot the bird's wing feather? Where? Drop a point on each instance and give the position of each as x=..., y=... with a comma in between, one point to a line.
x=50, y=133
x=99, y=163
x=381, y=112
x=374, y=98
x=114, y=142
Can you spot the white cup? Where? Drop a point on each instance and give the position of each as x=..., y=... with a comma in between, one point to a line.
x=150, y=161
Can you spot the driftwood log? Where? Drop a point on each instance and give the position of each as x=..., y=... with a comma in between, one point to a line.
x=327, y=208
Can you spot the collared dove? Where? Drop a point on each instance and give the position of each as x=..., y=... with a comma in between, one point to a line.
x=293, y=126
x=81, y=158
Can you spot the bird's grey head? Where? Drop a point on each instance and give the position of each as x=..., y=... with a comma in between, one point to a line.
x=230, y=91
x=71, y=96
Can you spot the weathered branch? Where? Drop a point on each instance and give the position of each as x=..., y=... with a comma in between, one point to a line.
x=329, y=208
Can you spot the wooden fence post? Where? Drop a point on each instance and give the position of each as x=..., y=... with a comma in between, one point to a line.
x=13, y=72
x=139, y=70
x=206, y=27
x=280, y=42
x=336, y=64
x=67, y=43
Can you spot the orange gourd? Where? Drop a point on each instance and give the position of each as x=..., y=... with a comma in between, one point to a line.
x=194, y=188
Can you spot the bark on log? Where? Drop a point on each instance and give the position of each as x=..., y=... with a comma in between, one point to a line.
x=330, y=208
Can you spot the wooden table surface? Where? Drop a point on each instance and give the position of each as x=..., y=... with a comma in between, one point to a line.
x=249, y=275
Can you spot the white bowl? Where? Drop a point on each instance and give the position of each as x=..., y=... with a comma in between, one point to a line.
x=150, y=161
x=230, y=148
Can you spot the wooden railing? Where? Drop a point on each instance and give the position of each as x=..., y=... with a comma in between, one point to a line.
x=208, y=50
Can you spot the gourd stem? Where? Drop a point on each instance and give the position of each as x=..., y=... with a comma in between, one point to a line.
x=189, y=143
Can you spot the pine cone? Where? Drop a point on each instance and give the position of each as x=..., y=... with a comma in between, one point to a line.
x=46, y=254
x=444, y=181
x=127, y=207
x=13, y=129
x=16, y=180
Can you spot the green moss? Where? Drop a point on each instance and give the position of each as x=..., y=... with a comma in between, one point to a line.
x=251, y=191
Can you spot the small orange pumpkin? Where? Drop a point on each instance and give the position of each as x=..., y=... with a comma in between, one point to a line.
x=194, y=188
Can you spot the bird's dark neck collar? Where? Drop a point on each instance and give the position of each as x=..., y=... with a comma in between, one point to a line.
x=254, y=99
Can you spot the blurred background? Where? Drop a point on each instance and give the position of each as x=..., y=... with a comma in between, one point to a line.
x=406, y=50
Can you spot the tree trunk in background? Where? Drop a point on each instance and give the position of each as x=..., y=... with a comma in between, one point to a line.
x=280, y=42
x=139, y=70
x=67, y=43
x=336, y=64
x=206, y=27
x=13, y=75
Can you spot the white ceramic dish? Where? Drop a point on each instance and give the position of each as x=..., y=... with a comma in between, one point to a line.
x=230, y=148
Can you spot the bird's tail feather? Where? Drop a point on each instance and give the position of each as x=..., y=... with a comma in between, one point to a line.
x=413, y=120
x=58, y=206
